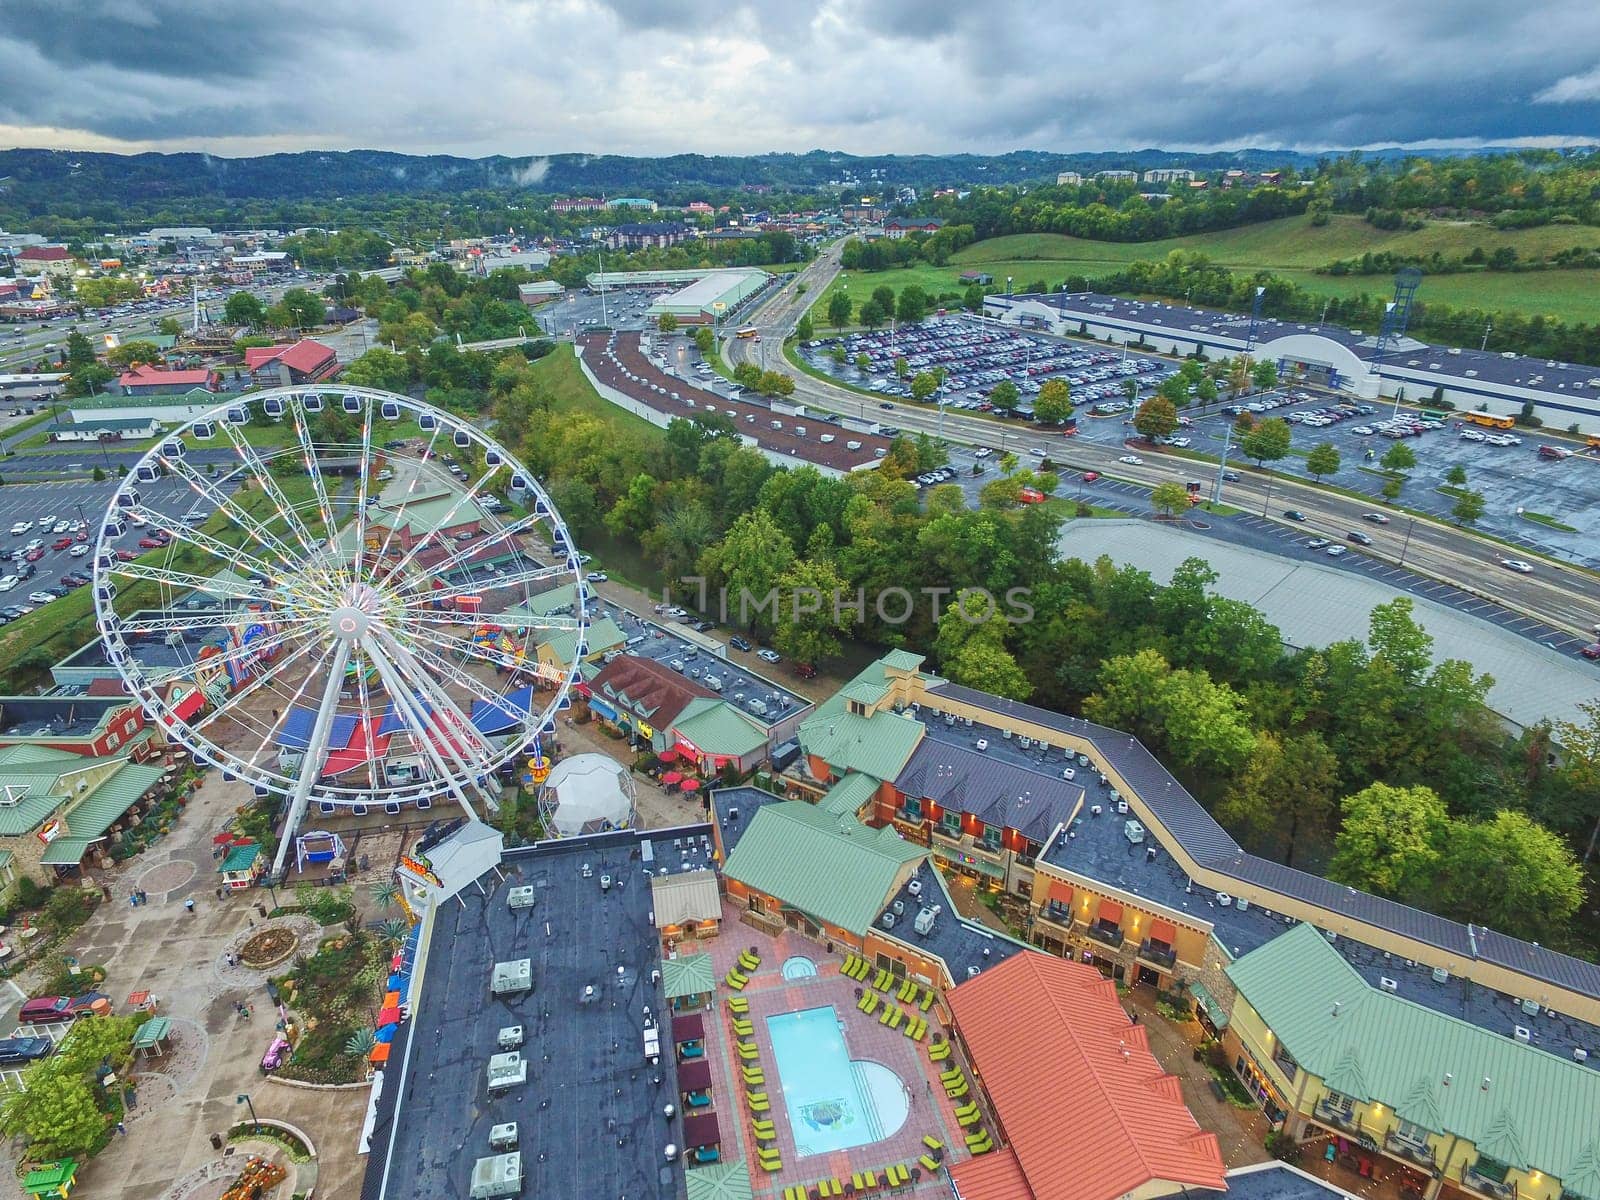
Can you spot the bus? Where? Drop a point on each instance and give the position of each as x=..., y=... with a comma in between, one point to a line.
x=1435, y=414
x=1489, y=420
x=749, y=331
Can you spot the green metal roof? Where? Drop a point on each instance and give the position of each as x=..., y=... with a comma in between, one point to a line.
x=96, y=813
x=65, y=852
x=864, y=691
x=5, y=859
x=688, y=975
x=35, y=774
x=832, y=868
x=604, y=634
x=878, y=746
x=426, y=516
x=717, y=727
x=151, y=1032
x=50, y=1176
x=541, y=605
x=1537, y=1112
x=240, y=858
x=845, y=798
x=902, y=660
x=719, y=1181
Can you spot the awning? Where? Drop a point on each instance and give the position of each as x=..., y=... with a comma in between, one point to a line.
x=1163, y=931
x=694, y=1075
x=379, y=1053
x=1061, y=893
x=389, y=1016
x=192, y=702
x=1214, y=1012
x=151, y=1032
x=701, y=1129
x=1110, y=912
x=1489, y=1168
x=65, y=852
x=688, y=1027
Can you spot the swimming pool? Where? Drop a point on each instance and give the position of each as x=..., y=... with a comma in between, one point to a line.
x=833, y=1102
x=798, y=966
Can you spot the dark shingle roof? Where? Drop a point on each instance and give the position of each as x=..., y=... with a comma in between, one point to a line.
x=994, y=791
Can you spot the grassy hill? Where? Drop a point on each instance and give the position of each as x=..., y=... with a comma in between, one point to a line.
x=1291, y=247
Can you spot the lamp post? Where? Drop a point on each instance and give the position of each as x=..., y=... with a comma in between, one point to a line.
x=244, y=1099
x=1404, y=546
x=1265, y=498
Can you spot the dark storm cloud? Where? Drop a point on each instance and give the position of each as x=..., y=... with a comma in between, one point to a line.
x=659, y=76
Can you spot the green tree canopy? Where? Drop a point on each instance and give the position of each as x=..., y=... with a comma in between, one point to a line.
x=1268, y=441
x=839, y=309
x=1157, y=418
x=1053, y=404
x=244, y=308
x=1323, y=459
x=1469, y=506
x=1004, y=395
x=1398, y=457
x=1390, y=841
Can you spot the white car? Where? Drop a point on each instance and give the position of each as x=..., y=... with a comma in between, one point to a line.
x=1182, y=443
x=982, y=452
x=1037, y=451
x=1517, y=565
x=1133, y=460
x=20, y=528
x=769, y=656
x=1471, y=435
x=79, y=550
x=40, y=598
x=7, y=583
x=62, y=527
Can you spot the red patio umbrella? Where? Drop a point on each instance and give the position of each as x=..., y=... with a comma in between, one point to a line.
x=668, y=755
x=690, y=785
x=672, y=777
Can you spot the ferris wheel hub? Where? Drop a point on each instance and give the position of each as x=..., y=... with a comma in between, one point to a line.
x=351, y=623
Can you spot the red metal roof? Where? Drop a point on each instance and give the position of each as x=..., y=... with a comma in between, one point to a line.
x=44, y=254
x=996, y=1176
x=306, y=357
x=1080, y=1099
x=145, y=375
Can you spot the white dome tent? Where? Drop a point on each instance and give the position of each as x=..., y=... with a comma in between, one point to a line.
x=588, y=793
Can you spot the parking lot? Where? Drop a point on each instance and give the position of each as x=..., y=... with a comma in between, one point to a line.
x=48, y=559
x=976, y=357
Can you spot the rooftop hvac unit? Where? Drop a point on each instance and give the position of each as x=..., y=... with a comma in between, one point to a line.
x=1330, y=935
x=1224, y=899
x=1242, y=904
x=1133, y=831
x=1531, y=1007
x=1025, y=742
x=510, y=1037
x=1389, y=985
x=520, y=897
x=512, y=976
x=1440, y=975
x=924, y=922
x=914, y=887
x=1122, y=806
x=1579, y=1053
x=1095, y=810
x=1522, y=1034
x=888, y=920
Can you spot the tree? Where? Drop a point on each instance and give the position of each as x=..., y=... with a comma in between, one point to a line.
x=80, y=351
x=883, y=294
x=1469, y=506
x=1206, y=390
x=912, y=304
x=1128, y=692
x=379, y=368
x=973, y=651
x=1169, y=497
x=1053, y=404
x=1157, y=418
x=972, y=298
x=902, y=367
x=1286, y=786
x=810, y=616
x=748, y=561
x=923, y=385
x=305, y=310
x=1398, y=457
x=1205, y=723
x=901, y=460
x=1456, y=476
x=803, y=328
x=705, y=341
x=839, y=355
x=1004, y=395
x=133, y=352
x=1390, y=841
x=1130, y=389
x=1264, y=374
x=1323, y=459
x=634, y=513
x=667, y=322
x=1268, y=441
x=244, y=308
x=1240, y=370
x=1398, y=641
x=1579, y=773
x=88, y=379
x=872, y=314
x=839, y=309
x=1512, y=874
x=57, y=1114
x=169, y=326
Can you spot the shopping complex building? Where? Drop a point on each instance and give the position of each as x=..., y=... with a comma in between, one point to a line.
x=1562, y=393
x=695, y=297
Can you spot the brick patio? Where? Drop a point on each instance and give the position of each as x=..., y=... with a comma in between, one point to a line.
x=865, y=1038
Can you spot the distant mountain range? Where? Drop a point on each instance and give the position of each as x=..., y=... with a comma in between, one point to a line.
x=43, y=180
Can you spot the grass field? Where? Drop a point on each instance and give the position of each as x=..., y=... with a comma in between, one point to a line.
x=1290, y=247
x=558, y=373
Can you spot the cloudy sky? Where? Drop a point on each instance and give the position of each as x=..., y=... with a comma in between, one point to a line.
x=523, y=77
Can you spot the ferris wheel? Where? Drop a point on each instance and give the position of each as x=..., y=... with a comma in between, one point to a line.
x=344, y=597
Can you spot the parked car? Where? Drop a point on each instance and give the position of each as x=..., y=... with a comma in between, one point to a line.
x=737, y=642
x=1090, y=476
x=42, y=1010
x=61, y=543
x=20, y=1051
x=79, y=550
x=805, y=670
x=772, y=656
x=1317, y=544
x=150, y=543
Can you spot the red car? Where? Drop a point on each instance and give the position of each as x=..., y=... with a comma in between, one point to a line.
x=149, y=543
x=61, y=543
x=805, y=670
x=1090, y=476
x=42, y=1010
x=126, y=555
x=1592, y=650
x=34, y=555
x=82, y=537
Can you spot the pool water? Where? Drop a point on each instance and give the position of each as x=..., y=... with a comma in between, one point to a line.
x=799, y=967
x=833, y=1102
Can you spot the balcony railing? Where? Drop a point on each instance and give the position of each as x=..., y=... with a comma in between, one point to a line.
x=1501, y=1189
x=1344, y=1118
x=1062, y=917
x=1157, y=953
x=1109, y=934
x=1422, y=1155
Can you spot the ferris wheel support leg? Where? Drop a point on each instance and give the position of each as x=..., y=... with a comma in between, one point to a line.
x=417, y=720
x=310, y=760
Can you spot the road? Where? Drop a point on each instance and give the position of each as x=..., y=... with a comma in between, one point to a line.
x=1565, y=597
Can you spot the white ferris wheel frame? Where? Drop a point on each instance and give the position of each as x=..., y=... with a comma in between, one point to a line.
x=410, y=668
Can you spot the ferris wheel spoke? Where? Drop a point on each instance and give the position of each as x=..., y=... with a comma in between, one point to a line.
x=178, y=622
x=364, y=470
x=234, y=513
x=472, y=620
x=416, y=721
x=185, y=579
x=224, y=658
x=453, y=673
x=493, y=583
x=233, y=555
x=308, y=450
x=232, y=705
x=369, y=726
x=271, y=730
x=470, y=497
x=444, y=704
x=463, y=556
x=316, y=750
x=263, y=476
x=471, y=649
x=399, y=521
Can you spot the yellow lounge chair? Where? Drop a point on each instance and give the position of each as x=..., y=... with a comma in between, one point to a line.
x=968, y=1118
x=771, y=1165
x=907, y=992
x=950, y=1074
x=759, y=1079
x=916, y=1029
x=747, y=1051
x=735, y=980
x=744, y=1028
x=883, y=981
x=869, y=1002
x=738, y=1005
x=931, y=1142
x=928, y=1164
x=939, y=1051
x=957, y=1091
x=759, y=1106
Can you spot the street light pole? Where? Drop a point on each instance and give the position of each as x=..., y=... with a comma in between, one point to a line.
x=244, y=1099
x=1266, y=498
x=1410, y=525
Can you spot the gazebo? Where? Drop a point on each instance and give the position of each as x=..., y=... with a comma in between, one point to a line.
x=52, y=1179
x=719, y=1181
x=689, y=981
x=242, y=865
x=587, y=793
x=153, y=1036
x=702, y=1133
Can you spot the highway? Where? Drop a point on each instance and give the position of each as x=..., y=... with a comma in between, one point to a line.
x=1565, y=597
